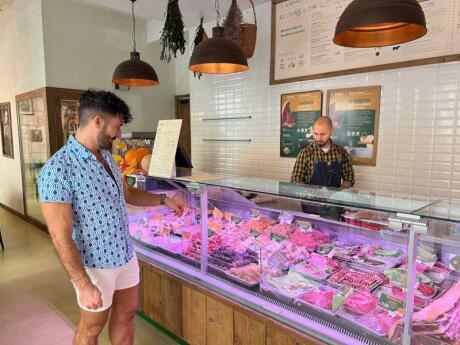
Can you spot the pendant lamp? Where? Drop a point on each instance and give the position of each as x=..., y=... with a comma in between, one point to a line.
x=219, y=54
x=135, y=72
x=379, y=23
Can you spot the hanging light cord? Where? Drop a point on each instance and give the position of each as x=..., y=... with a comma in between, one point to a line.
x=216, y=6
x=134, y=25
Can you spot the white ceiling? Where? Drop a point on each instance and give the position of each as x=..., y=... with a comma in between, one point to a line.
x=190, y=9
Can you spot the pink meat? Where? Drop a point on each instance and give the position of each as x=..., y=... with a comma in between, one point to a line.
x=361, y=303
x=310, y=240
x=322, y=299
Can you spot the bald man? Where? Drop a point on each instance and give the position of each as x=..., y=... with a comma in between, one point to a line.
x=324, y=163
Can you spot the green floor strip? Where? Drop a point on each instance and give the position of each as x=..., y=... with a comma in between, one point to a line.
x=162, y=329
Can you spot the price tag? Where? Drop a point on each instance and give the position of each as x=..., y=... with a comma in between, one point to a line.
x=254, y=213
x=236, y=219
x=426, y=256
x=254, y=233
x=217, y=213
x=398, y=278
x=277, y=237
x=391, y=303
x=286, y=217
x=304, y=225
x=454, y=262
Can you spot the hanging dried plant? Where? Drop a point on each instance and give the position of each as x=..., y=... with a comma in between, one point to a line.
x=200, y=35
x=233, y=21
x=172, y=36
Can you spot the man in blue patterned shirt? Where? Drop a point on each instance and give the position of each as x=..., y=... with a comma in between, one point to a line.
x=83, y=200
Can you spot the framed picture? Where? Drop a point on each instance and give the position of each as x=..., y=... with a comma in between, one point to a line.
x=26, y=107
x=297, y=114
x=69, y=118
x=36, y=136
x=6, y=130
x=355, y=115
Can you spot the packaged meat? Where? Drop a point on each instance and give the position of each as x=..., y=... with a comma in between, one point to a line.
x=282, y=229
x=310, y=240
x=362, y=308
x=248, y=275
x=258, y=225
x=320, y=298
x=357, y=279
x=287, y=286
x=317, y=267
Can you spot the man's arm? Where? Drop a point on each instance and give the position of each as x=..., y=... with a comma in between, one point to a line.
x=137, y=197
x=300, y=168
x=348, y=174
x=59, y=219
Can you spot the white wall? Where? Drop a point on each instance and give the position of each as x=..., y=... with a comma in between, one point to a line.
x=419, y=136
x=22, y=69
x=84, y=44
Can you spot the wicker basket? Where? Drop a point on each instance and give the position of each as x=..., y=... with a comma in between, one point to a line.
x=248, y=35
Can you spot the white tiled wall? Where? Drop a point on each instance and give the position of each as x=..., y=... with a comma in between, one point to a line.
x=419, y=136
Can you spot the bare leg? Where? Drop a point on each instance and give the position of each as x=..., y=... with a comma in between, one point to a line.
x=124, y=307
x=90, y=326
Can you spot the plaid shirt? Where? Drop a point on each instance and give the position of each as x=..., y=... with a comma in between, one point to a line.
x=307, y=158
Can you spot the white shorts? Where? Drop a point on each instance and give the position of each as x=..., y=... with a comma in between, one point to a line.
x=108, y=280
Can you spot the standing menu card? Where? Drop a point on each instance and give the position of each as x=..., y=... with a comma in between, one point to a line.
x=164, y=149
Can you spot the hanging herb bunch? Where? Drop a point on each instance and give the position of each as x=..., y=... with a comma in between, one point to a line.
x=200, y=35
x=233, y=21
x=172, y=36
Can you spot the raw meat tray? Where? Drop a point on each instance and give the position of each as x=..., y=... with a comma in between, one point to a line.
x=375, y=285
x=298, y=301
x=221, y=271
x=297, y=268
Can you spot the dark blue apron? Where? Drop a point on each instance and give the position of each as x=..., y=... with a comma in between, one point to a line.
x=328, y=174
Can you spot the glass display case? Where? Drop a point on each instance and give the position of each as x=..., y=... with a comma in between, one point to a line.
x=342, y=266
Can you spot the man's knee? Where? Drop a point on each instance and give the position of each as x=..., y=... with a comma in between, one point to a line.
x=91, y=329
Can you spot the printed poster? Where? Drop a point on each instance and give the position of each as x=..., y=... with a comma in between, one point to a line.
x=355, y=115
x=298, y=113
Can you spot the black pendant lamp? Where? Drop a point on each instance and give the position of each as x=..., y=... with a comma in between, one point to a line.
x=135, y=72
x=219, y=54
x=379, y=23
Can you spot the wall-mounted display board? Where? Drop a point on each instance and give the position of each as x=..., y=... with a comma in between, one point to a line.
x=298, y=113
x=355, y=116
x=302, y=46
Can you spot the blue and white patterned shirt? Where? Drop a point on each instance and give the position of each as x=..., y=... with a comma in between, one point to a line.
x=100, y=223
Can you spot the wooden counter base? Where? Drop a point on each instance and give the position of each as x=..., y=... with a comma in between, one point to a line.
x=202, y=317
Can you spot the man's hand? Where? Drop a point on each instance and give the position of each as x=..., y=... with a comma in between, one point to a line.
x=89, y=295
x=345, y=185
x=176, y=205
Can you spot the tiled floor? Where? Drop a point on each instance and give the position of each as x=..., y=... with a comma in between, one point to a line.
x=37, y=302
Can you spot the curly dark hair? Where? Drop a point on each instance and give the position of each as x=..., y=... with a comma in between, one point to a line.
x=99, y=102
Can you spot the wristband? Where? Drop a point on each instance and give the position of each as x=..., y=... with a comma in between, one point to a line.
x=162, y=199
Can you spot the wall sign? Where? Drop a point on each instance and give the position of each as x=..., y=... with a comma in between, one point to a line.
x=302, y=47
x=298, y=113
x=355, y=115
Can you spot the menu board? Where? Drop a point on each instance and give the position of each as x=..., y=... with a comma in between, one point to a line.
x=164, y=148
x=298, y=113
x=355, y=116
x=302, y=46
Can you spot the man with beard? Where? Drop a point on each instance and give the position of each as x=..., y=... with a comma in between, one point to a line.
x=83, y=200
x=323, y=163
